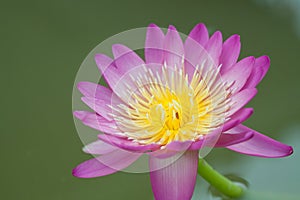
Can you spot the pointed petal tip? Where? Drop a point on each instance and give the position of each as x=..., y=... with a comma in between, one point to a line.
x=79, y=114
x=255, y=91
x=266, y=61
x=172, y=28
x=284, y=153
x=103, y=62
x=81, y=84
x=98, y=56
x=217, y=34
x=120, y=49
x=200, y=26
x=252, y=92
x=250, y=60
x=152, y=25
x=266, y=58
x=250, y=111
x=290, y=151
x=236, y=37
x=260, y=145
x=95, y=167
x=118, y=46
x=76, y=173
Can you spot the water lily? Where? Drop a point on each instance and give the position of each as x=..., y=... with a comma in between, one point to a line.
x=185, y=95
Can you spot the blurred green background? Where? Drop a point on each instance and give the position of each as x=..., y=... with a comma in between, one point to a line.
x=42, y=46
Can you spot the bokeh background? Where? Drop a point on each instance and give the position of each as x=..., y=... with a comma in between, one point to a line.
x=42, y=46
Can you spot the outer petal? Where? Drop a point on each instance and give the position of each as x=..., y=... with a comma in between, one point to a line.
x=214, y=47
x=94, y=90
x=199, y=34
x=98, y=122
x=154, y=44
x=105, y=164
x=225, y=139
x=114, y=77
x=125, y=58
x=230, y=52
x=92, y=168
x=173, y=48
x=239, y=117
x=99, y=106
x=264, y=63
x=126, y=144
x=177, y=180
x=260, y=145
x=108, y=69
x=260, y=69
x=98, y=98
x=239, y=73
x=240, y=99
x=194, y=48
x=98, y=147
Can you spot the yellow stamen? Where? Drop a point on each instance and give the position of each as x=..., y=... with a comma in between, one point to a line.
x=168, y=107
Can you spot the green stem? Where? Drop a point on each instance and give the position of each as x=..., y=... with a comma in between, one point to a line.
x=217, y=180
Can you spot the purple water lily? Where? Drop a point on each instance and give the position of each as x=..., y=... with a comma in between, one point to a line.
x=182, y=97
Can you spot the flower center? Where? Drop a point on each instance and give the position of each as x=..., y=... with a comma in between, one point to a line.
x=167, y=106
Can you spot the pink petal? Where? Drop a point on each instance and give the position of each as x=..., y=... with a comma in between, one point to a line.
x=208, y=140
x=98, y=98
x=230, y=52
x=239, y=73
x=260, y=69
x=237, y=118
x=199, y=34
x=99, y=106
x=154, y=44
x=92, y=168
x=126, y=144
x=114, y=77
x=179, y=146
x=98, y=147
x=224, y=139
x=98, y=122
x=194, y=50
x=214, y=47
x=221, y=140
x=125, y=58
x=119, y=159
x=105, y=164
x=227, y=139
x=230, y=124
x=108, y=69
x=173, y=48
x=254, y=78
x=240, y=99
x=260, y=145
x=94, y=90
x=177, y=180
x=264, y=63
